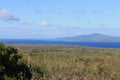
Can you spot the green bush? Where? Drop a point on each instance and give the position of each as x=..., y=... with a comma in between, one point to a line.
x=10, y=68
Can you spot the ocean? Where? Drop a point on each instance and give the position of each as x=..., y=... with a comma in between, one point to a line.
x=88, y=44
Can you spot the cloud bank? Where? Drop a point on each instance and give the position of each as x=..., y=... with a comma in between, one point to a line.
x=5, y=15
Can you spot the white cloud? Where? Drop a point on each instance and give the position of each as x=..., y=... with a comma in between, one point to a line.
x=29, y=22
x=44, y=24
x=5, y=15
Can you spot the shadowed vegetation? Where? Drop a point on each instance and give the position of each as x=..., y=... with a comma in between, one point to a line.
x=10, y=66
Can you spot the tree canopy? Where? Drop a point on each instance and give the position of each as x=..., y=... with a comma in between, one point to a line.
x=10, y=67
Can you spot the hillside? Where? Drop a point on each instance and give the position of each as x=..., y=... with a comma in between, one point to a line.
x=92, y=38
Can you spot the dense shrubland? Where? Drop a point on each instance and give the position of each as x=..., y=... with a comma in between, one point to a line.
x=53, y=62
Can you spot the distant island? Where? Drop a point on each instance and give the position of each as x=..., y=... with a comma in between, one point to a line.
x=65, y=40
x=96, y=37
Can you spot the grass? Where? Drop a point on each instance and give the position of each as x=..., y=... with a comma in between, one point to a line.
x=58, y=62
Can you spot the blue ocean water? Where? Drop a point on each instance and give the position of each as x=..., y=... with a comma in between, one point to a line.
x=89, y=44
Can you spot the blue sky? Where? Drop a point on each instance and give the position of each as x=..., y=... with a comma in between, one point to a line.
x=49, y=19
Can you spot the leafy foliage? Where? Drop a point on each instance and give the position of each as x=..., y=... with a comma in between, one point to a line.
x=10, y=67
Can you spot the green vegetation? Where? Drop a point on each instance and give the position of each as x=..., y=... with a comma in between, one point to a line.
x=10, y=67
x=58, y=62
